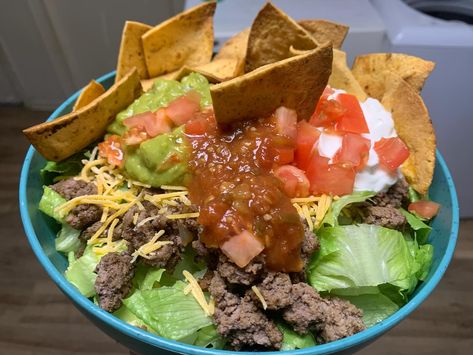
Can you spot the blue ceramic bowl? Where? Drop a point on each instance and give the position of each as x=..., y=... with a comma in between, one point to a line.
x=41, y=233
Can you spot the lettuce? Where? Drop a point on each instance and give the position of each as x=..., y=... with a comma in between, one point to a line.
x=208, y=337
x=54, y=171
x=293, y=340
x=420, y=230
x=146, y=277
x=80, y=272
x=127, y=316
x=49, y=202
x=331, y=218
x=170, y=312
x=375, y=306
x=67, y=239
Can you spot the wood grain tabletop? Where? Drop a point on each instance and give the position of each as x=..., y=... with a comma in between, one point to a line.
x=36, y=318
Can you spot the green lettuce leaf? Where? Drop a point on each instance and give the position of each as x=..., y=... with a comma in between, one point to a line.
x=375, y=306
x=127, y=316
x=49, y=202
x=80, y=272
x=170, y=312
x=67, y=239
x=146, y=277
x=413, y=195
x=420, y=230
x=208, y=337
x=361, y=255
x=331, y=218
x=293, y=340
x=54, y=171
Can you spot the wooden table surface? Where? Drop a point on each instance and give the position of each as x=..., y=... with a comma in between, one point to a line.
x=36, y=318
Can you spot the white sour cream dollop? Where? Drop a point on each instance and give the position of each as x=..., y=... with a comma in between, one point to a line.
x=381, y=125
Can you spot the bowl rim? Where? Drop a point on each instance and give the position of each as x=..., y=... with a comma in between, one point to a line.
x=157, y=341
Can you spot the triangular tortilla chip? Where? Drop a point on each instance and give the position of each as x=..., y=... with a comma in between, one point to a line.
x=296, y=83
x=59, y=139
x=342, y=77
x=326, y=31
x=271, y=35
x=131, y=50
x=178, y=75
x=414, y=127
x=88, y=94
x=368, y=68
x=186, y=39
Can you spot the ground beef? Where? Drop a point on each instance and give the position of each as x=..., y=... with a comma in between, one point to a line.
x=341, y=319
x=332, y=318
x=275, y=289
x=168, y=255
x=241, y=322
x=87, y=233
x=71, y=188
x=83, y=216
x=384, y=216
x=310, y=244
x=234, y=274
x=114, y=274
x=395, y=197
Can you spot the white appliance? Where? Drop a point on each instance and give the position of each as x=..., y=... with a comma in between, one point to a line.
x=393, y=26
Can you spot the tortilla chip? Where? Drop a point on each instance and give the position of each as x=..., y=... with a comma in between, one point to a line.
x=414, y=127
x=186, y=39
x=368, y=68
x=271, y=35
x=131, y=50
x=342, y=77
x=88, y=94
x=296, y=83
x=326, y=31
x=59, y=139
x=178, y=75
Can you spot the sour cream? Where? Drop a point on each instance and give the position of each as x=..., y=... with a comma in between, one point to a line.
x=381, y=125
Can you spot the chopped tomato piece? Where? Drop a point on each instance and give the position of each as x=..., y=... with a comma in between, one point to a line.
x=307, y=136
x=326, y=178
x=327, y=92
x=354, y=151
x=392, y=152
x=425, y=209
x=111, y=150
x=203, y=122
x=353, y=120
x=183, y=108
x=138, y=120
x=152, y=123
x=283, y=155
x=295, y=181
x=286, y=122
x=327, y=113
x=242, y=248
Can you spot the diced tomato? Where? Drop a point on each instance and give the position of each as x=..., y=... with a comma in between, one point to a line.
x=286, y=122
x=353, y=120
x=326, y=178
x=392, y=152
x=307, y=136
x=183, y=108
x=327, y=113
x=242, y=248
x=425, y=209
x=327, y=92
x=354, y=151
x=111, y=150
x=203, y=122
x=295, y=181
x=134, y=136
x=152, y=123
x=283, y=155
x=138, y=120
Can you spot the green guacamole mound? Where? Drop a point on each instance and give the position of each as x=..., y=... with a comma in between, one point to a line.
x=163, y=159
x=160, y=95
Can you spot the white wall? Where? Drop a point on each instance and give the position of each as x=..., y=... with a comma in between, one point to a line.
x=50, y=48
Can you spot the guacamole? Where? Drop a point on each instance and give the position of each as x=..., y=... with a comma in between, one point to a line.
x=161, y=160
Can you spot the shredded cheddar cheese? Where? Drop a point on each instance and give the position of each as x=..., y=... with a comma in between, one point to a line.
x=313, y=209
x=198, y=294
x=183, y=215
x=260, y=296
x=171, y=187
x=146, y=250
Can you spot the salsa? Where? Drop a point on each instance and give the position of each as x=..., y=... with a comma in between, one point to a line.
x=237, y=193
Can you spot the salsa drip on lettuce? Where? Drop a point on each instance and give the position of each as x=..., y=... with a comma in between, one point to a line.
x=266, y=199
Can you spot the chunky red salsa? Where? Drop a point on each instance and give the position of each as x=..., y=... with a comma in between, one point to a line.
x=238, y=195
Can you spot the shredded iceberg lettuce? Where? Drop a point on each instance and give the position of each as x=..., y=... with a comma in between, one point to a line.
x=49, y=203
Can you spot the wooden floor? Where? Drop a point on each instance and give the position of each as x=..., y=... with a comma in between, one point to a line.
x=36, y=318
